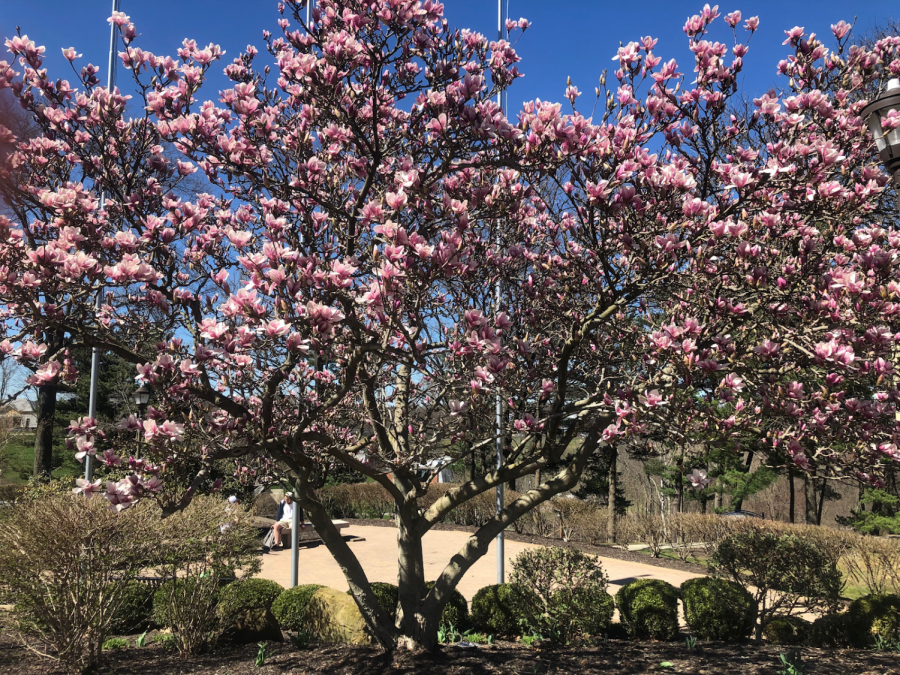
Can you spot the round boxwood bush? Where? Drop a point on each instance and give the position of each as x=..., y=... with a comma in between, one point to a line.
x=456, y=611
x=887, y=626
x=787, y=630
x=495, y=610
x=386, y=595
x=718, y=609
x=871, y=616
x=245, y=594
x=591, y=609
x=831, y=631
x=289, y=607
x=135, y=612
x=649, y=607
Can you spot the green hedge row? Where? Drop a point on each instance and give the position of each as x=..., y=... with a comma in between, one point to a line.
x=715, y=609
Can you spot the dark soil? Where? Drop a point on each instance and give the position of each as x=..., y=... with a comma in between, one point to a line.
x=605, y=550
x=504, y=658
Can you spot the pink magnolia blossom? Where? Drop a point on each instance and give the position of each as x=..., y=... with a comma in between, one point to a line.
x=87, y=488
x=698, y=478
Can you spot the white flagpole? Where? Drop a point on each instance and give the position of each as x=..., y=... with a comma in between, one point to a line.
x=95, y=352
x=501, y=554
x=295, y=521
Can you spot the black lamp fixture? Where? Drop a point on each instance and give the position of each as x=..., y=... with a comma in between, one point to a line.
x=141, y=397
x=888, y=144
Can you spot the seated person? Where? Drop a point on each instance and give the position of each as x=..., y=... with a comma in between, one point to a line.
x=284, y=518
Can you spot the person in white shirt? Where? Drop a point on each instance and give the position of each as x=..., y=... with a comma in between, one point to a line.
x=284, y=518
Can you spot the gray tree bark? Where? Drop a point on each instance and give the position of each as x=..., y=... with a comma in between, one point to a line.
x=611, y=499
x=43, y=435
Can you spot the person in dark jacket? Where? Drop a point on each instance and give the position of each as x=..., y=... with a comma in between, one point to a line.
x=284, y=517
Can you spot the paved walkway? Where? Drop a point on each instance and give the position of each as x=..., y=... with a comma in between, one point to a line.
x=378, y=555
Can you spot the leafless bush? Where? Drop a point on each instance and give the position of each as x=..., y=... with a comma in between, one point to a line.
x=683, y=537
x=199, y=546
x=579, y=520
x=644, y=528
x=66, y=599
x=873, y=563
x=356, y=500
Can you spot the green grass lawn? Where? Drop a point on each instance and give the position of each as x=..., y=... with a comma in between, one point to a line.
x=17, y=460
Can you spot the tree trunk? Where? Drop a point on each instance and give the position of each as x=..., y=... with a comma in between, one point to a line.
x=792, y=497
x=737, y=504
x=43, y=436
x=508, y=443
x=417, y=622
x=679, y=495
x=809, y=494
x=821, y=504
x=383, y=632
x=420, y=608
x=611, y=502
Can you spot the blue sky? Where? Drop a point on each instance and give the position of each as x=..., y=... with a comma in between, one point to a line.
x=576, y=38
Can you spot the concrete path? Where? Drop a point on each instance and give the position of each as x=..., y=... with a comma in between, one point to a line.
x=378, y=555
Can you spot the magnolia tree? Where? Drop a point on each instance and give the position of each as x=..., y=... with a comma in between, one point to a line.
x=382, y=254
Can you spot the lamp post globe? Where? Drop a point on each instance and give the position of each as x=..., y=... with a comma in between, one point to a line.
x=141, y=397
x=887, y=142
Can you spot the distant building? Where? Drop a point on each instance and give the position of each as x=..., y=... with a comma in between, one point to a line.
x=19, y=415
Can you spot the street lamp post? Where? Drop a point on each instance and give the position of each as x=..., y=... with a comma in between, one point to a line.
x=141, y=397
x=888, y=143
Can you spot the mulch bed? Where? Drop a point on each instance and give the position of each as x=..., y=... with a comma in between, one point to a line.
x=605, y=550
x=504, y=658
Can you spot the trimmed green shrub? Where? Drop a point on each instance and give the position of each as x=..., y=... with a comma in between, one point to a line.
x=135, y=612
x=289, y=607
x=495, y=611
x=591, y=609
x=718, y=609
x=456, y=611
x=649, y=607
x=831, y=631
x=562, y=593
x=386, y=594
x=246, y=594
x=787, y=630
x=871, y=616
x=762, y=561
x=887, y=626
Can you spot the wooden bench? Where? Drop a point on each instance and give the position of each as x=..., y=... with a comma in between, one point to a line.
x=309, y=534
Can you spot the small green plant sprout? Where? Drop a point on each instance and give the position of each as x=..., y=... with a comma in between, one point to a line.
x=666, y=664
x=142, y=640
x=791, y=663
x=883, y=644
x=165, y=640
x=530, y=640
x=690, y=642
x=477, y=638
x=261, y=655
x=447, y=634
x=114, y=643
x=300, y=640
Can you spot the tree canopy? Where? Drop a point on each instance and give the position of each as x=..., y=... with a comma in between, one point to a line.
x=382, y=253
